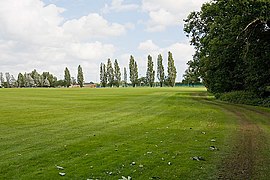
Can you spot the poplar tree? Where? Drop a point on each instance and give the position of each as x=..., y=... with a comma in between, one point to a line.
x=160, y=70
x=67, y=78
x=133, y=71
x=125, y=77
x=171, y=70
x=80, y=76
x=117, y=74
x=110, y=74
x=150, y=73
x=103, y=75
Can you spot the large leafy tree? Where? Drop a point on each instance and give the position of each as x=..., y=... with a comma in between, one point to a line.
x=133, y=71
x=2, y=79
x=29, y=81
x=231, y=39
x=160, y=70
x=13, y=81
x=117, y=74
x=80, y=77
x=191, y=75
x=67, y=77
x=8, y=78
x=171, y=70
x=36, y=77
x=150, y=73
x=49, y=79
x=21, y=80
x=110, y=73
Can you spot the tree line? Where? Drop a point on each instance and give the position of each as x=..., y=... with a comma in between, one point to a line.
x=110, y=75
x=45, y=79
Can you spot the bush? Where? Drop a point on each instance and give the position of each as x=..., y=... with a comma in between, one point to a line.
x=244, y=97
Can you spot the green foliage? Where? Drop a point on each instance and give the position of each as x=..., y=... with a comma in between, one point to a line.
x=160, y=70
x=117, y=74
x=103, y=75
x=191, y=75
x=67, y=77
x=21, y=80
x=125, y=77
x=29, y=81
x=231, y=39
x=2, y=79
x=142, y=81
x=171, y=70
x=110, y=73
x=51, y=79
x=133, y=71
x=8, y=77
x=80, y=78
x=244, y=97
x=150, y=73
x=46, y=83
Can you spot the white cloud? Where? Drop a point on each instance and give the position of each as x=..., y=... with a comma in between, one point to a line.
x=93, y=26
x=30, y=21
x=118, y=6
x=148, y=46
x=166, y=13
x=35, y=36
x=86, y=51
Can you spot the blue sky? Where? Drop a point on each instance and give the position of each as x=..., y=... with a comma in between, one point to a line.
x=49, y=35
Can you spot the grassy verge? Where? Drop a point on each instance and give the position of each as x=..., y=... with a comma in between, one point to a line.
x=99, y=133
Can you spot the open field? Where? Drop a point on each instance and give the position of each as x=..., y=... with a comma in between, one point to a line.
x=99, y=133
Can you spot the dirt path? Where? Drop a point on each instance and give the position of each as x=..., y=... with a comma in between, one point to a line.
x=245, y=156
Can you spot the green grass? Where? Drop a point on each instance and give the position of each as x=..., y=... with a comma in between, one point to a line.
x=92, y=132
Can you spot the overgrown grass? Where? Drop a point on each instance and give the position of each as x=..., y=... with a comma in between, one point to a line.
x=98, y=133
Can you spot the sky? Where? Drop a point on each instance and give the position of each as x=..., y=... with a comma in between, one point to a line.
x=49, y=35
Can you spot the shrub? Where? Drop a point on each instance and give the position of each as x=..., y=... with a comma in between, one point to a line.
x=244, y=97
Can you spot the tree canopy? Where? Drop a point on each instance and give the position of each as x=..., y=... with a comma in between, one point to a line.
x=231, y=39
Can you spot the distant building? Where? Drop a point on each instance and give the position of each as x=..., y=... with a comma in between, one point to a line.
x=90, y=85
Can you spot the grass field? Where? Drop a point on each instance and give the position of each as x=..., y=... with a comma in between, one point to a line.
x=144, y=133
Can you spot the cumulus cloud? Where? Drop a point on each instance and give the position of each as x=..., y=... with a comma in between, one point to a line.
x=93, y=26
x=166, y=13
x=118, y=6
x=35, y=35
x=86, y=51
x=148, y=46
